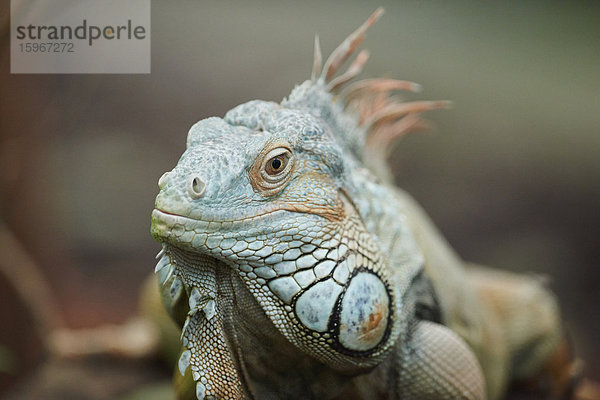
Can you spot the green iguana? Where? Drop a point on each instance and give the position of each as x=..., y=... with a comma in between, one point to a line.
x=298, y=271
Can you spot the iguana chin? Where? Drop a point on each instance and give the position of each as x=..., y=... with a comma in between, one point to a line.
x=298, y=271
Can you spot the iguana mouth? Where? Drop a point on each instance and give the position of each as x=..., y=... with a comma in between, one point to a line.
x=194, y=234
x=198, y=225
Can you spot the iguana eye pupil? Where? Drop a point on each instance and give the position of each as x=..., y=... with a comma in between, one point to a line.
x=276, y=163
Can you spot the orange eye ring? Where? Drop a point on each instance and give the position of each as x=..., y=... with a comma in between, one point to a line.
x=272, y=169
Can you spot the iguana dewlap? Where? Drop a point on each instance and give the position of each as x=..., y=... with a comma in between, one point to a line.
x=298, y=271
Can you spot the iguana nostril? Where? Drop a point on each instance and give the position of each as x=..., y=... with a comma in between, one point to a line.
x=196, y=187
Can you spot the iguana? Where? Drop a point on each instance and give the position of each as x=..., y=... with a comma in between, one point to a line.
x=298, y=271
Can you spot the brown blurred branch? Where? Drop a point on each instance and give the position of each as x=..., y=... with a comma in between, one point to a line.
x=588, y=390
x=24, y=276
x=137, y=338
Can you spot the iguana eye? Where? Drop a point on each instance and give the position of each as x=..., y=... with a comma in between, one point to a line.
x=272, y=169
x=277, y=163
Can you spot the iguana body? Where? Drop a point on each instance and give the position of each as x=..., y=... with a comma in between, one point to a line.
x=296, y=273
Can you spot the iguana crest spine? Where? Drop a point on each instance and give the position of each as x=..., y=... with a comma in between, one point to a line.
x=363, y=114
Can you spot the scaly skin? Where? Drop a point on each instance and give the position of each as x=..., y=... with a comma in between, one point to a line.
x=296, y=273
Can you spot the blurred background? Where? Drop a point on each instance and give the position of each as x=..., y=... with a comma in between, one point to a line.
x=511, y=175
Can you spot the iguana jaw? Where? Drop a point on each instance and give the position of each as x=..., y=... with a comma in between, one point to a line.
x=192, y=234
x=217, y=237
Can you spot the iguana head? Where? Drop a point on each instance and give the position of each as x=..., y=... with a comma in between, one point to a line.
x=250, y=173
x=269, y=191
